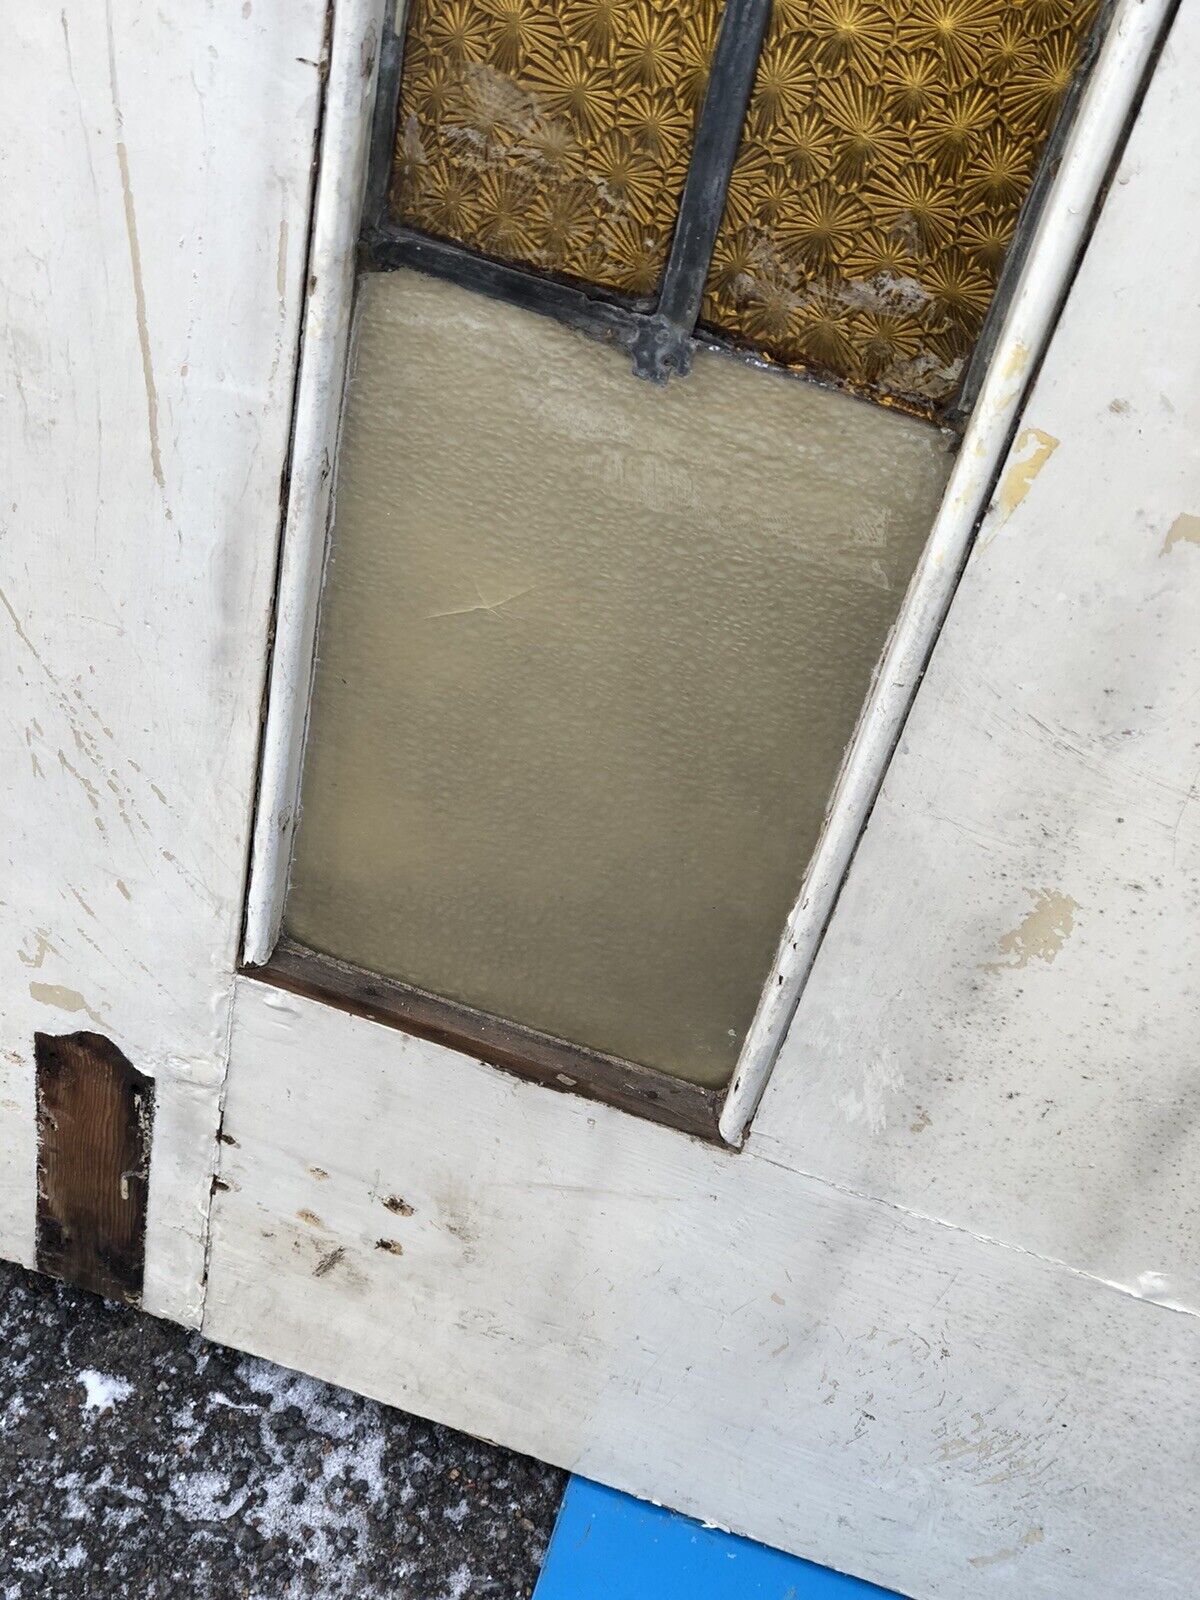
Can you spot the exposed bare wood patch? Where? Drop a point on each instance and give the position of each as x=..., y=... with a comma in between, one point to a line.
x=95, y=1114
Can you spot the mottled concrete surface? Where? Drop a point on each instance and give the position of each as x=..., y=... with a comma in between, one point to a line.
x=141, y=1461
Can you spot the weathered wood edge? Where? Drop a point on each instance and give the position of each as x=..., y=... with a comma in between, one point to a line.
x=524, y=1052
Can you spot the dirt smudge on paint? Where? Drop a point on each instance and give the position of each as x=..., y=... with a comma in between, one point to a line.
x=1034, y=1536
x=328, y=1262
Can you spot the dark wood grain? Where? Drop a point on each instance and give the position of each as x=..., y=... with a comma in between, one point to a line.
x=94, y=1112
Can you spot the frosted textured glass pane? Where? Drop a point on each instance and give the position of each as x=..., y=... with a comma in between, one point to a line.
x=590, y=653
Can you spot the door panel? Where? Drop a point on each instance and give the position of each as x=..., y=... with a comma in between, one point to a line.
x=978, y=1385
x=747, y=1336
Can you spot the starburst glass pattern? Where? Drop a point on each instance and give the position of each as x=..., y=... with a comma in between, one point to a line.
x=553, y=133
x=888, y=148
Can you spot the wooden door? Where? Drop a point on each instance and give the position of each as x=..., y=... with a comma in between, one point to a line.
x=917, y=1296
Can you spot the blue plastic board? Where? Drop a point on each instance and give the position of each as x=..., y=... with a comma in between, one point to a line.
x=608, y=1546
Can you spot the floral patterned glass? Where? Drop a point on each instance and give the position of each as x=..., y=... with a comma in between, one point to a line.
x=552, y=133
x=887, y=150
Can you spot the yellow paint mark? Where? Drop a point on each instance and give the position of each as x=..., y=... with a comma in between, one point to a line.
x=1012, y=375
x=1184, y=530
x=57, y=994
x=1034, y=1536
x=1041, y=933
x=1015, y=366
x=1029, y=455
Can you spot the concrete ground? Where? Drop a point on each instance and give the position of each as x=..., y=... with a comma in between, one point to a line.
x=138, y=1460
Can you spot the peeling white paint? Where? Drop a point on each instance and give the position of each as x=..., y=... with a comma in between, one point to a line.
x=1184, y=530
x=1040, y=934
x=65, y=999
x=882, y=1081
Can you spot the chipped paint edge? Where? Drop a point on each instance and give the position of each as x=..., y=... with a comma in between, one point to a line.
x=341, y=182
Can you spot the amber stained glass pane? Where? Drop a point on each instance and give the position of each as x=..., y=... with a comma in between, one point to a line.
x=887, y=150
x=552, y=133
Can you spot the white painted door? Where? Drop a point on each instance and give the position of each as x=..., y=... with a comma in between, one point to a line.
x=934, y=1322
